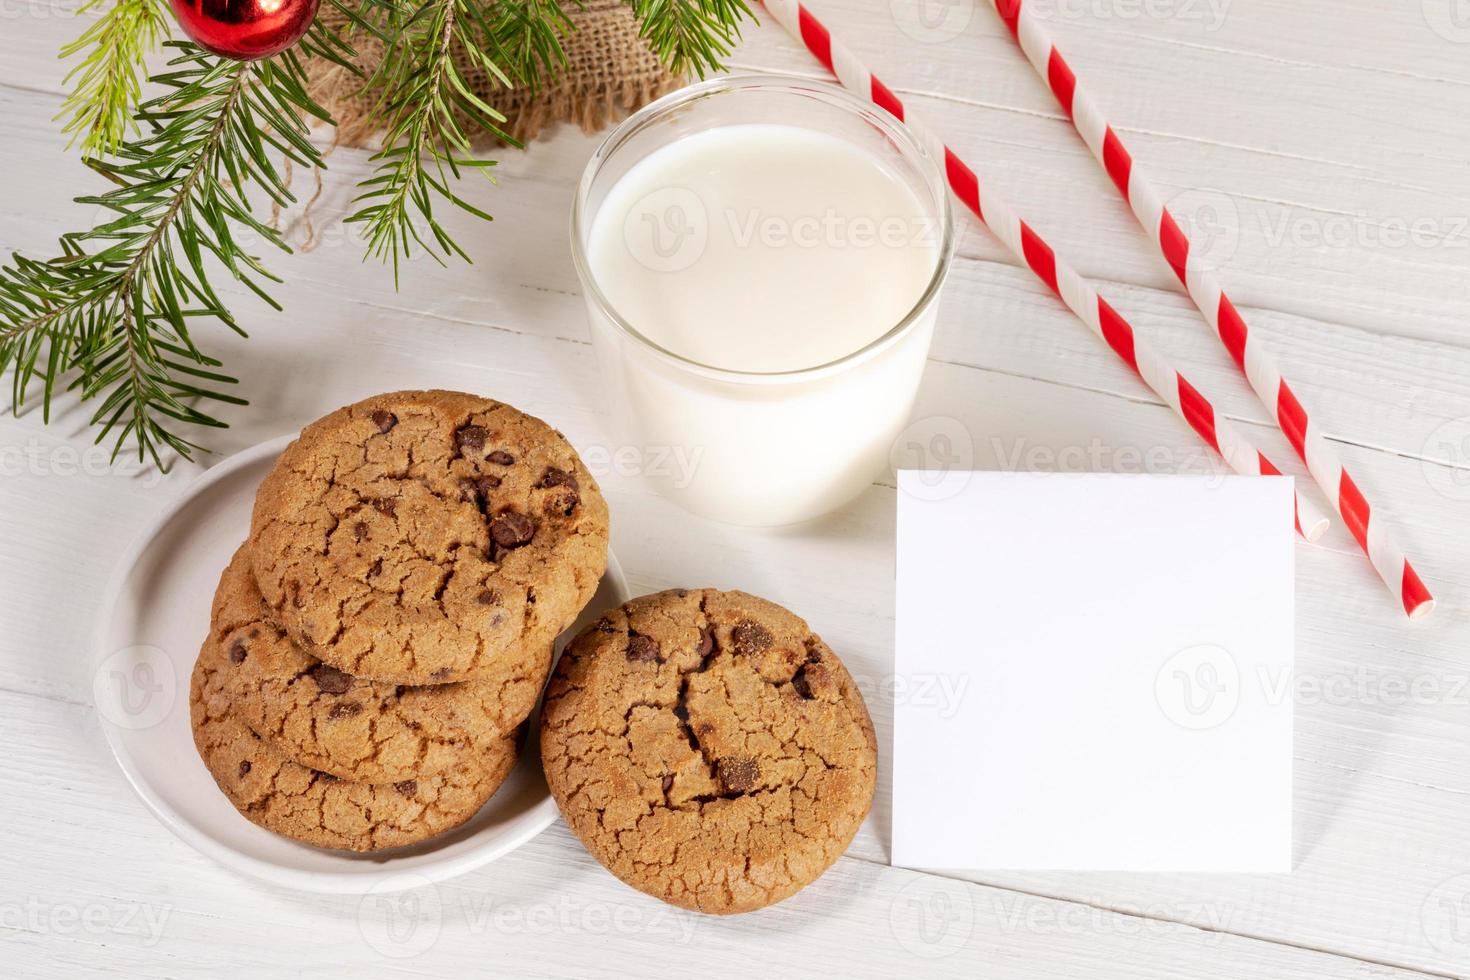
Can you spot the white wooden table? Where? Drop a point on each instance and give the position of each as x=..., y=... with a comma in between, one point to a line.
x=1330, y=140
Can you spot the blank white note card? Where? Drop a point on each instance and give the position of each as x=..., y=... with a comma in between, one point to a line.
x=1115, y=657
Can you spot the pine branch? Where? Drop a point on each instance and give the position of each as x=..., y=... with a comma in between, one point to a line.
x=526, y=35
x=110, y=316
x=690, y=35
x=99, y=110
x=423, y=93
x=422, y=86
x=114, y=309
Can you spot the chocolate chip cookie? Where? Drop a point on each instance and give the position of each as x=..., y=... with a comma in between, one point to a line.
x=420, y=537
x=314, y=807
x=365, y=731
x=708, y=749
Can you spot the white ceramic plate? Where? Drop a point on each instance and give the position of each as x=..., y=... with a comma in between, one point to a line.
x=155, y=616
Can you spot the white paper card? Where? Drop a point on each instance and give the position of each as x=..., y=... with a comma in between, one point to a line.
x=1116, y=652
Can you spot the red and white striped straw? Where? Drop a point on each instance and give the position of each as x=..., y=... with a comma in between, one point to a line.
x=1205, y=290
x=1221, y=435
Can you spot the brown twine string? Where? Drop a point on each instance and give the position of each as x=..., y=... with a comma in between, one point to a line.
x=309, y=242
x=275, y=222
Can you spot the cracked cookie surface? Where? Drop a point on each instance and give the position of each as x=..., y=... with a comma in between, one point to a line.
x=419, y=537
x=313, y=807
x=355, y=729
x=708, y=749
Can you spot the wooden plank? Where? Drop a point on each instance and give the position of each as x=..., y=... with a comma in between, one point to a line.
x=77, y=902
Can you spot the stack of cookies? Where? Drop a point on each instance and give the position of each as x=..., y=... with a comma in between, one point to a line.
x=378, y=640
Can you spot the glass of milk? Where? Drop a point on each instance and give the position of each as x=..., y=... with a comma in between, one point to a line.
x=761, y=258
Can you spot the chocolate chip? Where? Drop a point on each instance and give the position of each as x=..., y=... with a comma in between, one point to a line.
x=386, y=505
x=359, y=531
x=384, y=420
x=749, y=637
x=554, y=477
x=470, y=438
x=738, y=773
x=668, y=782
x=237, y=651
x=512, y=530
x=477, y=491
x=345, y=709
x=408, y=787
x=802, y=685
x=244, y=769
x=564, y=504
x=488, y=597
x=642, y=649
x=330, y=680
x=501, y=458
x=706, y=642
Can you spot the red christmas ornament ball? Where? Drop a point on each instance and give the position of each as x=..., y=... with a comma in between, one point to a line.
x=245, y=30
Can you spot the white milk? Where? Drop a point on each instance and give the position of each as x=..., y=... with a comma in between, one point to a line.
x=762, y=247
x=773, y=251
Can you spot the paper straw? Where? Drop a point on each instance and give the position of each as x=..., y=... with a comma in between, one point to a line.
x=1205, y=290
x=1221, y=435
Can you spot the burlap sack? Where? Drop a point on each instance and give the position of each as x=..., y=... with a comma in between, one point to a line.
x=610, y=72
